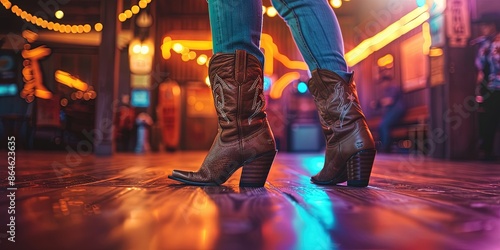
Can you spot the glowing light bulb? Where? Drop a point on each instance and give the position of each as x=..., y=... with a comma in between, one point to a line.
x=59, y=14
x=122, y=17
x=128, y=13
x=178, y=47
x=98, y=27
x=192, y=55
x=135, y=9
x=144, y=49
x=87, y=28
x=202, y=59
x=207, y=81
x=137, y=49
x=336, y=3
x=271, y=12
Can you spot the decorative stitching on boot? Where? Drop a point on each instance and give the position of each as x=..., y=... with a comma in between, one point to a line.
x=256, y=105
x=343, y=107
x=218, y=92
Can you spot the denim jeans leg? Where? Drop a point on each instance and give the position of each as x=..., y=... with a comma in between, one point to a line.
x=316, y=32
x=236, y=25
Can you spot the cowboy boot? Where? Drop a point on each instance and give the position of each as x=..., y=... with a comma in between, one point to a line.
x=350, y=149
x=244, y=138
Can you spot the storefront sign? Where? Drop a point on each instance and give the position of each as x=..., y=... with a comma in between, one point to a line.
x=458, y=23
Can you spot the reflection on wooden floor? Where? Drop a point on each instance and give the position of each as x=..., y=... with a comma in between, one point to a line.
x=70, y=201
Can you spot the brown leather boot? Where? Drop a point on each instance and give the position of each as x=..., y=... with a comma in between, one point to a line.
x=244, y=137
x=350, y=150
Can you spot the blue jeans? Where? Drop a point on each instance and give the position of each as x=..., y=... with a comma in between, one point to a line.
x=237, y=25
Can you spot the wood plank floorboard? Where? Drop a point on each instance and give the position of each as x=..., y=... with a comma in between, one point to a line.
x=73, y=201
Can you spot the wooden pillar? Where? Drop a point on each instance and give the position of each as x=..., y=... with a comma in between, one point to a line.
x=453, y=107
x=107, y=80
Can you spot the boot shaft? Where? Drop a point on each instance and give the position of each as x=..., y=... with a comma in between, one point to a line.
x=337, y=98
x=337, y=103
x=237, y=88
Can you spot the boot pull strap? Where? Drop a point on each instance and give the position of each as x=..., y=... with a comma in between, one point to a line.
x=241, y=65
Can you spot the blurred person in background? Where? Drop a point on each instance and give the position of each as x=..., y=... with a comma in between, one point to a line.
x=488, y=82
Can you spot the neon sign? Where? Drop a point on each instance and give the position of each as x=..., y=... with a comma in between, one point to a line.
x=32, y=75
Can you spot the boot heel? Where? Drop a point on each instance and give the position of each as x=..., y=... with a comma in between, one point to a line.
x=359, y=168
x=255, y=173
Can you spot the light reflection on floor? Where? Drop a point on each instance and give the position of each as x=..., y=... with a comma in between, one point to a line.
x=126, y=202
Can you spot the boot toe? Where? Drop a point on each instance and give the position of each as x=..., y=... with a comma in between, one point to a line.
x=318, y=179
x=190, y=178
x=180, y=174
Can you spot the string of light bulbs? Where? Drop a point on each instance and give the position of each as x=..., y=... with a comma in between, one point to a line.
x=68, y=28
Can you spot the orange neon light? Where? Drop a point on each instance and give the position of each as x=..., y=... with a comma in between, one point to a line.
x=407, y=23
x=70, y=80
x=271, y=52
x=32, y=74
x=280, y=84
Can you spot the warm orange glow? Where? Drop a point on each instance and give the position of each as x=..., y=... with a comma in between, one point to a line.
x=271, y=52
x=40, y=22
x=202, y=59
x=386, y=36
x=136, y=48
x=271, y=11
x=385, y=60
x=280, y=84
x=59, y=14
x=70, y=81
x=435, y=52
x=178, y=47
x=122, y=17
x=141, y=56
x=336, y=3
x=87, y=28
x=32, y=74
x=98, y=27
x=128, y=13
x=192, y=55
x=135, y=9
x=207, y=81
x=7, y=4
x=144, y=49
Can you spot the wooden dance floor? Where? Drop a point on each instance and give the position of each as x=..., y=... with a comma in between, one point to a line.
x=70, y=201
